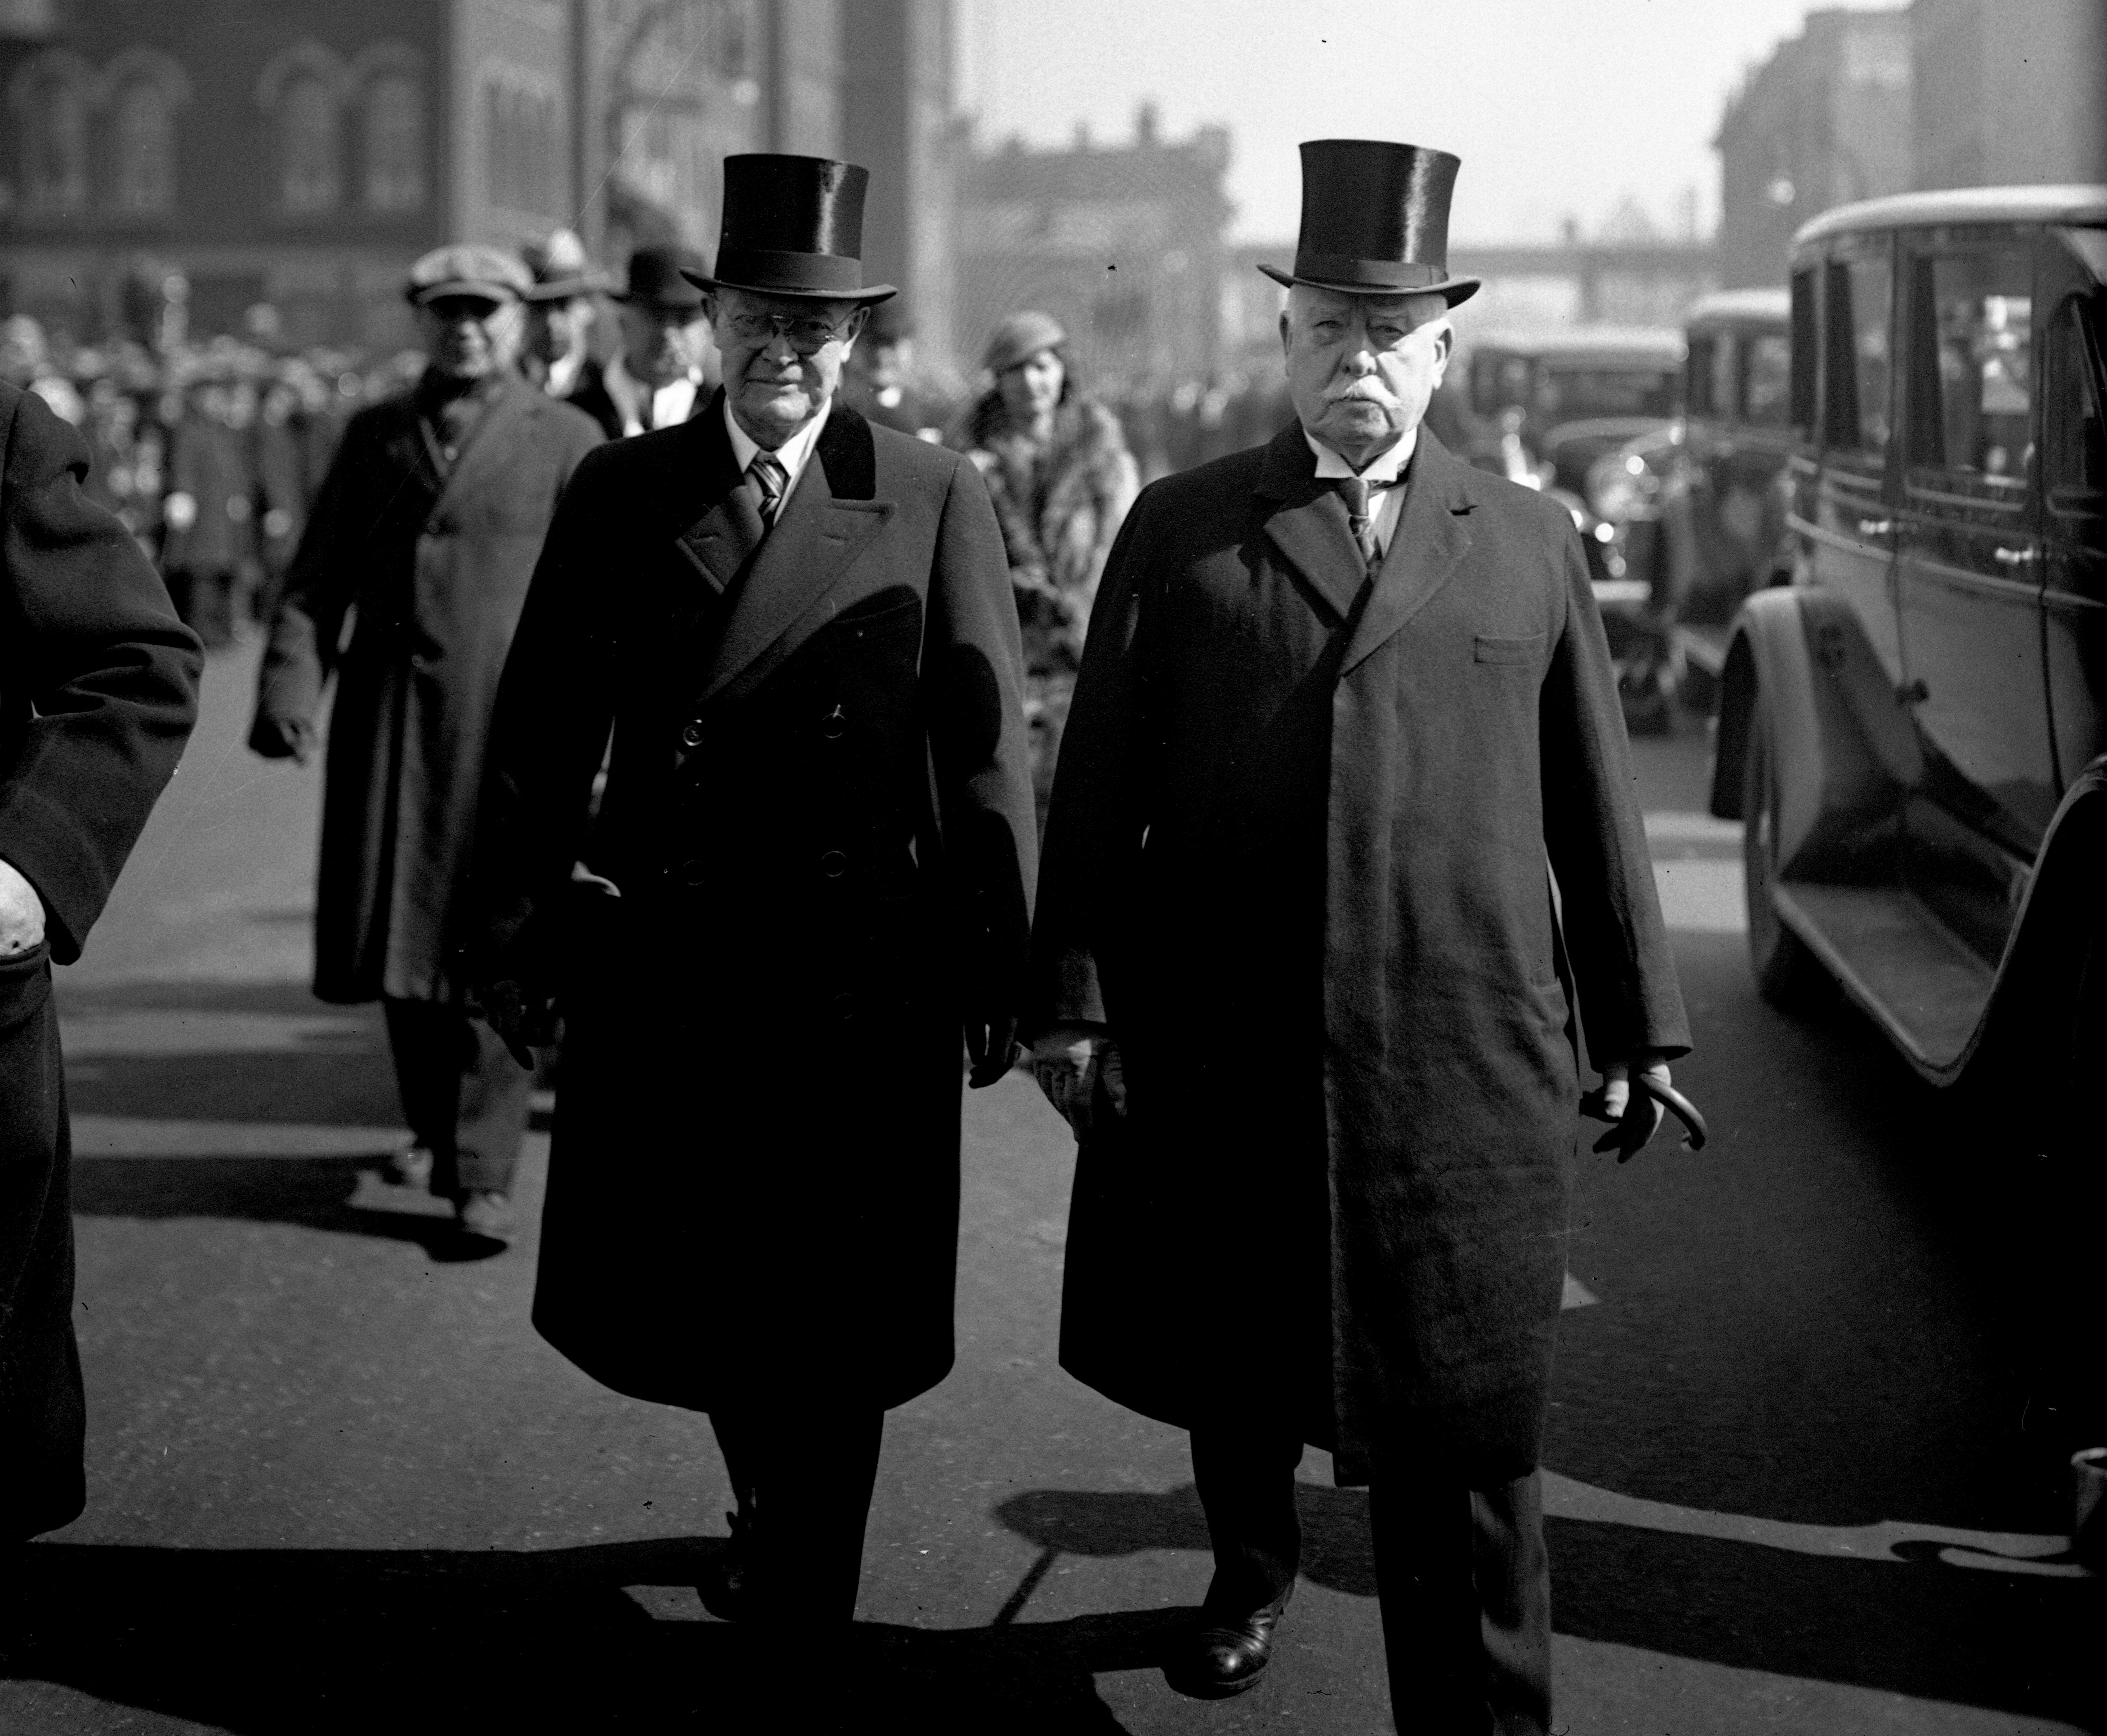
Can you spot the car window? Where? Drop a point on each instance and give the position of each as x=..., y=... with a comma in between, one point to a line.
x=1722, y=386
x=1806, y=328
x=1972, y=366
x=1856, y=358
x=1766, y=378
x=2077, y=458
x=1697, y=377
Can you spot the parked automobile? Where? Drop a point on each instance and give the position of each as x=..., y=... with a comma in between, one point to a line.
x=1698, y=509
x=1548, y=407
x=1914, y=731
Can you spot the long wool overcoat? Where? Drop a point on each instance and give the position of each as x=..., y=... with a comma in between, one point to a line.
x=1300, y=861
x=811, y=862
x=98, y=691
x=432, y=562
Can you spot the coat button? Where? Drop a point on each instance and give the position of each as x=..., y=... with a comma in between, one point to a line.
x=833, y=864
x=694, y=871
x=692, y=735
x=834, y=725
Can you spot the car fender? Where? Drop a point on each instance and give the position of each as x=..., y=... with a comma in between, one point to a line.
x=1838, y=789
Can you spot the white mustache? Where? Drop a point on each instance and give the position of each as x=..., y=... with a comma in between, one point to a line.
x=1359, y=394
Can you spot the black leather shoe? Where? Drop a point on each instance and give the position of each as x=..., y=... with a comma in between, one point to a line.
x=1226, y=1654
x=726, y=1586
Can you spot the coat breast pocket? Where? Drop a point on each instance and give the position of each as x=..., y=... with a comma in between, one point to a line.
x=1487, y=648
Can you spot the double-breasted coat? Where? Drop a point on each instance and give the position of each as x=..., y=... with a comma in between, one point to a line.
x=810, y=865
x=98, y=691
x=1299, y=860
x=431, y=560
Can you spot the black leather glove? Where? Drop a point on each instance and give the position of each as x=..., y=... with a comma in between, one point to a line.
x=282, y=738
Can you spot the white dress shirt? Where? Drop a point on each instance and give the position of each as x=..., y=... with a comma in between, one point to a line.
x=792, y=454
x=1385, y=477
x=672, y=403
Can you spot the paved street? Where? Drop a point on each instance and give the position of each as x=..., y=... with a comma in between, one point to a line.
x=337, y=1483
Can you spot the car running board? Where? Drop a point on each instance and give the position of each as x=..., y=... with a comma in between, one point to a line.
x=1895, y=959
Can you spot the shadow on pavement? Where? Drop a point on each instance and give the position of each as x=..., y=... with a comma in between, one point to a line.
x=262, y=1641
x=1335, y=1551
x=317, y=1193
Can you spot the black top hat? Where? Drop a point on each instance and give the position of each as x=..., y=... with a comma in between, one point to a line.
x=793, y=226
x=664, y=277
x=1375, y=221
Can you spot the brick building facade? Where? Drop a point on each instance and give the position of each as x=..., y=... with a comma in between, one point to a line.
x=301, y=153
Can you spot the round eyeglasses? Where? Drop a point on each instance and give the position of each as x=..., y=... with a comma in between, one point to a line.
x=806, y=335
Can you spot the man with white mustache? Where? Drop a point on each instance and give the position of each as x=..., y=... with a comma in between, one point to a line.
x=1300, y=987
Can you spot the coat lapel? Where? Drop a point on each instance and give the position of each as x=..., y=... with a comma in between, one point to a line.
x=817, y=539
x=1308, y=524
x=1433, y=534
x=719, y=544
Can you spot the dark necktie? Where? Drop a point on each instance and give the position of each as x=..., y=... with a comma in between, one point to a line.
x=1354, y=490
x=770, y=479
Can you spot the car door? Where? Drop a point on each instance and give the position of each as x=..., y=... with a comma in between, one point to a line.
x=1845, y=516
x=2073, y=298
x=1968, y=577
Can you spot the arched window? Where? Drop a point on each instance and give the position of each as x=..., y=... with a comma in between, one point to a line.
x=309, y=178
x=302, y=90
x=394, y=144
x=49, y=98
x=144, y=146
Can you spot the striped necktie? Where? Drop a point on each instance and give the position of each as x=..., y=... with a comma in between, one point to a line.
x=1354, y=490
x=771, y=479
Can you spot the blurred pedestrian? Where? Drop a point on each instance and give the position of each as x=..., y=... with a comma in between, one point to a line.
x=278, y=450
x=659, y=376
x=1302, y=987
x=804, y=895
x=98, y=693
x=563, y=306
x=427, y=527
x=1058, y=471
x=879, y=382
x=208, y=510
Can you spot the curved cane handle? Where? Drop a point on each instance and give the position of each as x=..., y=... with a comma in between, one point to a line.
x=1695, y=1132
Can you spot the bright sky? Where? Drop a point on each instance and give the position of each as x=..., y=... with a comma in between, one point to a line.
x=1556, y=107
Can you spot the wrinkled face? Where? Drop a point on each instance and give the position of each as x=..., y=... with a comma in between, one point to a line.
x=660, y=345
x=783, y=357
x=557, y=329
x=1032, y=388
x=1361, y=368
x=468, y=337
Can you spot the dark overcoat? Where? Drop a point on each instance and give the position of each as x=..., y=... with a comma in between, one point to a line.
x=812, y=861
x=1300, y=861
x=98, y=691
x=433, y=561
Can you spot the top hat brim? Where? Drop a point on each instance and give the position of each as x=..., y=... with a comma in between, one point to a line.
x=1451, y=289
x=863, y=298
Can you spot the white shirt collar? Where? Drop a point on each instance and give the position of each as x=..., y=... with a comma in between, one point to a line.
x=670, y=403
x=1384, y=470
x=792, y=454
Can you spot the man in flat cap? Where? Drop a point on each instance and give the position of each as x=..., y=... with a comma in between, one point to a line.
x=427, y=527
x=1301, y=985
x=805, y=893
x=661, y=373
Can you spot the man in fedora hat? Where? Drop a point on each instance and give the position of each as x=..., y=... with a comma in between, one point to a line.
x=804, y=893
x=425, y=533
x=562, y=303
x=659, y=376
x=1301, y=985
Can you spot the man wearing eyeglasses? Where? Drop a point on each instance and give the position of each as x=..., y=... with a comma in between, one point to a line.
x=804, y=891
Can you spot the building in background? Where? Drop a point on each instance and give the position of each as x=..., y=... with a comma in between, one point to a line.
x=299, y=154
x=1122, y=244
x=1826, y=119
x=2010, y=93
